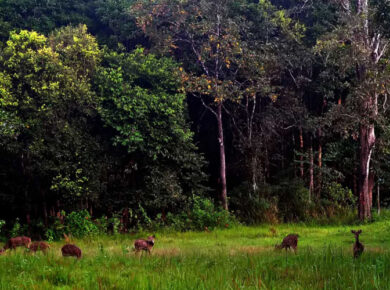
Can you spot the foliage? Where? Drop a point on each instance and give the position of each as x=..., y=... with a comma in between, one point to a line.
x=254, y=207
x=293, y=200
x=141, y=100
x=80, y=224
x=2, y=224
x=202, y=215
x=90, y=120
x=18, y=229
x=206, y=215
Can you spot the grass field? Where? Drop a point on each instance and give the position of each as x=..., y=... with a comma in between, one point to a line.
x=238, y=258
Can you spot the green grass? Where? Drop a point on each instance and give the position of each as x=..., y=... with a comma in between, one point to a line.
x=242, y=257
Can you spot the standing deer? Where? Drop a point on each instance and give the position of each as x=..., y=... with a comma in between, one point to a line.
x=13, y=243
x=290, y=241
x=39, y=246
x=145, y=245
x=358, y=247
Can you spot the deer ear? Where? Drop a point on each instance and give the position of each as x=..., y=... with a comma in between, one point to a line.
x=154, y=236
x=353, y=231
x=359, y=231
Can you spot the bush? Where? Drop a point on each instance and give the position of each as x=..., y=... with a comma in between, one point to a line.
x=56, y=230
x=293, y=199
x=18, y=229
x=108, y=225
x=80, y=224
x=203, y=214
x=337, y=199
x=254, y=207
x=2, y=224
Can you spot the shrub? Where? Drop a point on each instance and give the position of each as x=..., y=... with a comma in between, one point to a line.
x=56, y=230
x=108, y=225
x=293, y=199
x=205, y=214
x=2, y=224
x=201, y=215
x=337, y=199
x=254, y=207
x=18, y=229
x=80, y=224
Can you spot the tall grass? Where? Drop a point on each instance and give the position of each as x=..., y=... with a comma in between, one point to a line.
x=242, y=257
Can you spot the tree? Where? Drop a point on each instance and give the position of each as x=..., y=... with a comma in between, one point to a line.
x=359, y=40
x=49, y=106
x=211, y=40
x=142, y=100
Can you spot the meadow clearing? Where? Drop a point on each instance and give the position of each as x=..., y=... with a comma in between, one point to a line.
x=237, y=258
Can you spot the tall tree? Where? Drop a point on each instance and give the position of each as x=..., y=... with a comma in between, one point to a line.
x=359, y=39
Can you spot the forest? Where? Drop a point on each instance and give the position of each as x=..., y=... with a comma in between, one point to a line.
x=193, y=114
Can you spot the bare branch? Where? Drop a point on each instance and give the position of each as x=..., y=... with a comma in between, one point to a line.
x=205, y=105
x=234, y=122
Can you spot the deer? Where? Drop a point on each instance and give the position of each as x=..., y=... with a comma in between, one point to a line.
x=358, y=247
x=71, y=250
x=39, y=246
x=145, y=245
x=2, y=251
x=290, y=241
x=13, y=243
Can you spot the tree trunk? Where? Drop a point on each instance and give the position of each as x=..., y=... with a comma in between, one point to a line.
x=371, y=184
x=301, y=147
x=222, y=170
x=254, y=169
x=319, y=179
x=367, y=141
x=311, y=170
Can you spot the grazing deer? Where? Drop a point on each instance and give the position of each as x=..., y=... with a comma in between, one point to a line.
x=145, y=245
x=358, y=247
x=71, y=250
x=39, y=246
x=13, y=243
x=290, y=241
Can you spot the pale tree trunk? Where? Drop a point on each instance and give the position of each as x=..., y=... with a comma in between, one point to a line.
x=367, y=141
x=319, y=180
x=301, y=147
x=222, y=170
x=254, y=169
x=369, y=105
x=311, y=171
x=371, y=184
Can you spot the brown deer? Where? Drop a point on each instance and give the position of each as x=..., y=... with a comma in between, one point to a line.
x=145, y=245
x=71, y=250
x=13, y=243
x=39, y=246
x=358, y=247
x=290, y=241
x=2, y=251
